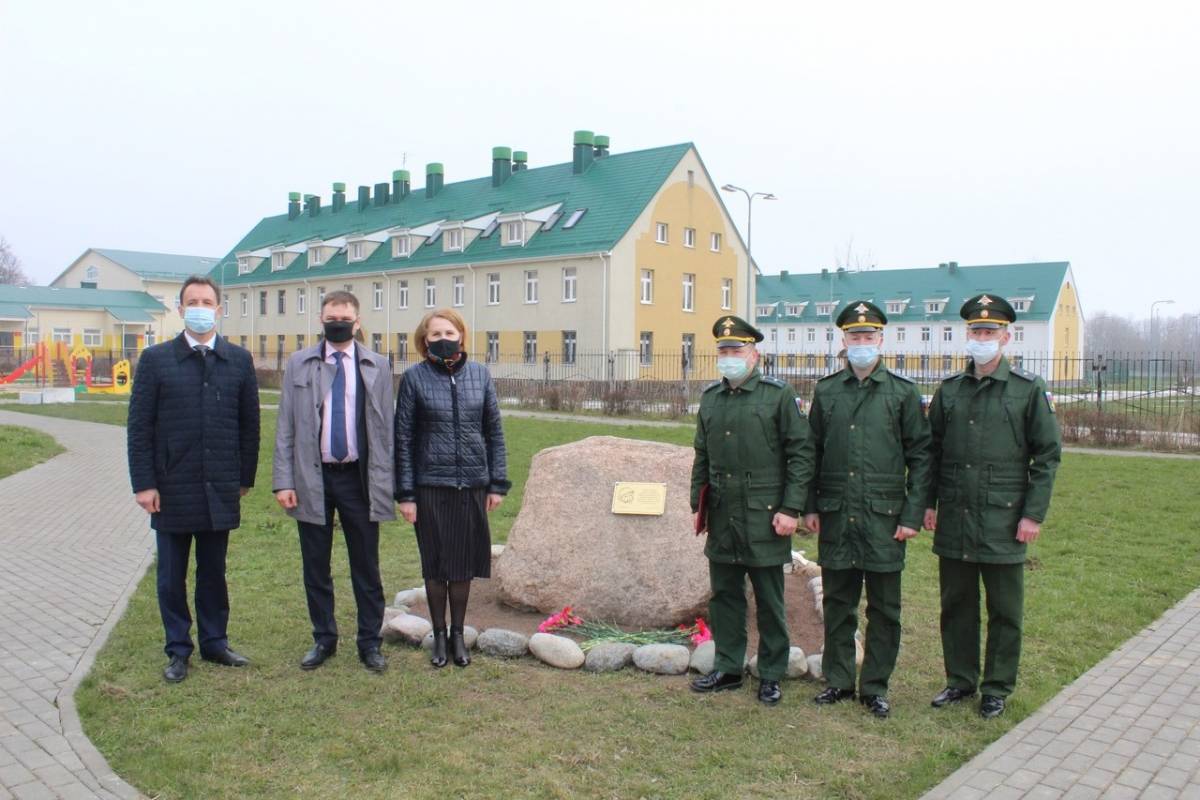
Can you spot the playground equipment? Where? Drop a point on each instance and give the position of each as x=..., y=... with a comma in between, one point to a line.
x=41, y=368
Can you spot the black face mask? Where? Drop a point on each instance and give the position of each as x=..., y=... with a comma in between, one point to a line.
x=338, y=331
x=444, y=349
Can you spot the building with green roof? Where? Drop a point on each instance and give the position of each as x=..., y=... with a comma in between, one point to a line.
x=101, y=319
x=925, y=333
x=604, y=252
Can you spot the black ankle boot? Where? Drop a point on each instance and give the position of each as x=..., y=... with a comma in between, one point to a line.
x=458, y=647
x=438, y=657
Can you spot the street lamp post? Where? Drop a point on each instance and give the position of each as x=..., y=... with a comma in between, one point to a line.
x=729, y=187
x=1153, y=334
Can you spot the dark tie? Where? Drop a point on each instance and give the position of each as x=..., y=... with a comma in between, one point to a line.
x=337, y=418
x=202, y=349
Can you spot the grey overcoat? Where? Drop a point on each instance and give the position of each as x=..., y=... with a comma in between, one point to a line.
x=298, y=432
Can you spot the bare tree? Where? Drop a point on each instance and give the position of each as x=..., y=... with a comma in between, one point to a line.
x=10, y=266
x=852, y=261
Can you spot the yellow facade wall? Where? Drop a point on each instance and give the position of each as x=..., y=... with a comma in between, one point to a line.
x=1068, y=336
x=683, y=205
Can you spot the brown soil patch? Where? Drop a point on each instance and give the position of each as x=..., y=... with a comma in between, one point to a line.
x=805, y=628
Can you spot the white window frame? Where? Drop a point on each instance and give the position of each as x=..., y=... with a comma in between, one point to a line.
x=452, y=240
x=402, y=294
x=647, y=284
x=689, y=291
x=356, y=252
x=1018, y=333
x=92, y=273
x=401, y=247
x=281, y=301
x=245, y=304
x=92, y=337
x=791, y=334
x=33, y=336
x=493, y=289
x=243, y=265
x=377, y=295
x=662, y=233
x=430, y=293
x=689, y=237
x=947, y=334
x=529, y=347
x=60, y=335
x=314, y=256
x=726, y=294
x=810, y=335
x=764, y=311
x=901, y=334
x=895, y=306
x=513, y=233
x=301, y=300
x=458, y=291
x=934, y=306
x=277, y=261
x=926, y=333
x=492, y=353
x=225, y=306
x=646, y=348
x=569, y=353
x=531, y=286
x=570, y=284
x=714, y=242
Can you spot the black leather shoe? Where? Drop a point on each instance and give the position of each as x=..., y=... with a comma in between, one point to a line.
x=319, y=654
x=226, y=658
x=991, y=706
x=717, y=681
x=951, y=695
x=458, y=648
x=833, y=695
x=877, y=704
x=176, y=670
x=438, y=656
x=769, y=693
x=373, y=660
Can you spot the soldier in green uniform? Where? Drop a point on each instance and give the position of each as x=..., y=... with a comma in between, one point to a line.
x=753, y=464
x=996, y=447
x=866, y=500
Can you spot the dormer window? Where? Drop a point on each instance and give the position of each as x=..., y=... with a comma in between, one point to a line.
x=794, y=309
x=452, y=240
x=896, y=306
x=93, y=272
x=1021, y=304
x=356, y=251
x=243, y=265
x=401, y=244
x=277, y=262
x=315, y=256
x=935, y=306
x=514, y=233
x=825, y=309
x=765, y=311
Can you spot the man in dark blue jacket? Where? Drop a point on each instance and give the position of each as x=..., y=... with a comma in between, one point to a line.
x=193, y=451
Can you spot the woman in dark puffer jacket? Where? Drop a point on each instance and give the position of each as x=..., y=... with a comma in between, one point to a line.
x=450, y=471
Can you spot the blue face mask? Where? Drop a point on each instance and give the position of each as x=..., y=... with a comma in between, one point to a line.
x=862, y=355
x=982, y=352
x=199, y=319
x=732, y=367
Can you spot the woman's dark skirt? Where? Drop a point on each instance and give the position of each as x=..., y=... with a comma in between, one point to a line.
x=452, y=533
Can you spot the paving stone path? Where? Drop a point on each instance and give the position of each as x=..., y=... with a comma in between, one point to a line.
x=1127, y=728
x=73, y=546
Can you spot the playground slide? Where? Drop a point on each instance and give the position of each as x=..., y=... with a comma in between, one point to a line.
x=21, y=370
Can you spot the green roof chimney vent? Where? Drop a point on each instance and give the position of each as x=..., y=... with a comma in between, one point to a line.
x=501, y=165
x=584, y=153
x=400, y=184
x=435, y=178
x=520, y=160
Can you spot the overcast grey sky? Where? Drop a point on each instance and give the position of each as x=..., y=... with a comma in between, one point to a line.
x=922, y=132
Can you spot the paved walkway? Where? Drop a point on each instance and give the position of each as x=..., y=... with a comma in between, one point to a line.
x=73, y=546
x=1129, y=727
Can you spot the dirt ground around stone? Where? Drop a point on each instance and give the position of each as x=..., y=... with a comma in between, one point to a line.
x=805, y=629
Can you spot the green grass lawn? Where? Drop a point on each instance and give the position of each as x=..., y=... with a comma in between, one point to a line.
x=1119, y=548
x=21, y=448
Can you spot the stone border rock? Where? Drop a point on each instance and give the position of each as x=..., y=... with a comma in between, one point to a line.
x=561, y=652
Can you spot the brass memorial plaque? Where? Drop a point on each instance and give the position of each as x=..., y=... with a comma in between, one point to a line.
x=639, y=498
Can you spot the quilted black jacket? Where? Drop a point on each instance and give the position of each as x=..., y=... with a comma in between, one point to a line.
x=448, y=430
x=193, y=433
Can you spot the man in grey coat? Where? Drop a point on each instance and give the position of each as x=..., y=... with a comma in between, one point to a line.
x=333, y=452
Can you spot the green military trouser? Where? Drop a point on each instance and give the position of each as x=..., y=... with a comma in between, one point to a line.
x=1004, y=586
x=843, y=588
x=727, y=613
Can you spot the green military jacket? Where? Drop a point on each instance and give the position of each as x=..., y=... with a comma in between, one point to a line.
x=872, y=452
x=754, y=453
x=996, y=447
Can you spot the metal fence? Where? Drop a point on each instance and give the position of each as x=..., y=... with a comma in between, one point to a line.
x=1109, y=399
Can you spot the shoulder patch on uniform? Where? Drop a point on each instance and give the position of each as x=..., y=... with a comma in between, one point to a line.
x=800, y=406
x=901, y=377
x=771, y=379
x=712, y=385
x=1023, y=374
x=1050, y=401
